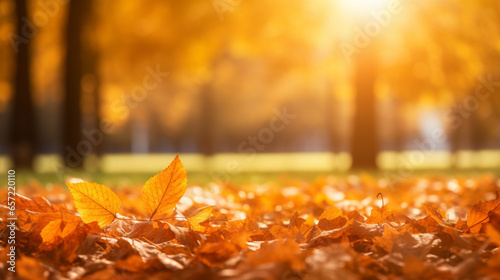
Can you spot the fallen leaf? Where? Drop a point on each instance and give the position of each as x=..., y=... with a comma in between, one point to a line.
x=200, y=216
x=186, y=237
x=479, y=214
x=493, y=229
x=161, y=193
x=146, y=229
x=438, y=217
x=37, y=204
x=51, y=231
x=281, y=232
x=381, y=215
x=331, y=218
x=95, y=202
x=215, y=254
x=386, y=241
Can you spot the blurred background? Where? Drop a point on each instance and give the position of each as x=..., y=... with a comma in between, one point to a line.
x=240, y=86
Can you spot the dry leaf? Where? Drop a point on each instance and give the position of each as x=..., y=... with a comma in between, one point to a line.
x=95, y=202
x=438, y=217
x=386, y=241
x=479, y=214
x=331, y=213
x=161, y=193
x=200, y=216
x=37, y=204
x=250, y=237
x=331, y=218
x=215, y=254
x=58, y=228
x=493, y=229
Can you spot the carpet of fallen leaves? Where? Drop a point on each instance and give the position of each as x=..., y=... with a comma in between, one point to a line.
x=433, y=227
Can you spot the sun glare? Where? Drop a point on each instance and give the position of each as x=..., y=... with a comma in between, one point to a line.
x=364, y=7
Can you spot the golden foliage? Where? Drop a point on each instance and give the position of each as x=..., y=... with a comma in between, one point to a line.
x=95, y=202
x=161, y=193
x=263, y=232
x=201, y=216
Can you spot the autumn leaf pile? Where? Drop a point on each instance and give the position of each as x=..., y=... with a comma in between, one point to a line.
x=359, y=227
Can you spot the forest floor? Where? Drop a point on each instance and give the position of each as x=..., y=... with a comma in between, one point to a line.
x=266, y=226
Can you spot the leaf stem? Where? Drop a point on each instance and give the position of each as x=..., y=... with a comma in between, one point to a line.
x=147, y=220
x=382, y=197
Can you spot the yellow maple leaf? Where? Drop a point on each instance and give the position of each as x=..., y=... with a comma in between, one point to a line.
x=161, y=193
x=200, y=216
x=95, y=202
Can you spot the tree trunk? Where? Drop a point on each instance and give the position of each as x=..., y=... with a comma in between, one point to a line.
x=207, y=111
x=364, y=142
x=477, y=133
x=72, y=106
x=332, y=118
x=23, y=136
x=90, y=71
x=399, y=126
x=455, y=144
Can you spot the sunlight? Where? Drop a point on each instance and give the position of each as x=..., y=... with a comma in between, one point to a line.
x=366, y=7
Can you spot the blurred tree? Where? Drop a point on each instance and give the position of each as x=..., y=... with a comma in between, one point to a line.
x=184, y=50
x=364, y=141
x=23, y=138
x=90, y=80
x=207, y=126
x=72, y=114
x=277, y=53
x=332, y=119
x=442, y=59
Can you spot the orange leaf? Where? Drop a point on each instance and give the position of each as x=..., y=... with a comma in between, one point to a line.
x=379, y=215
x=493, y=228
x=95, y=202
x=281, y=232
x=386, y=241
x=331, y=218
x=161, y=193
x=438, y=217
x=57, y=228
x=331, y=213
x=479, y=214
x=201, y=216
x=217, y=253
x=51, y=231
x=37, y=204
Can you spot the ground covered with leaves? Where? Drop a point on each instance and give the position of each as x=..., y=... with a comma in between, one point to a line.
x=359, y=227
